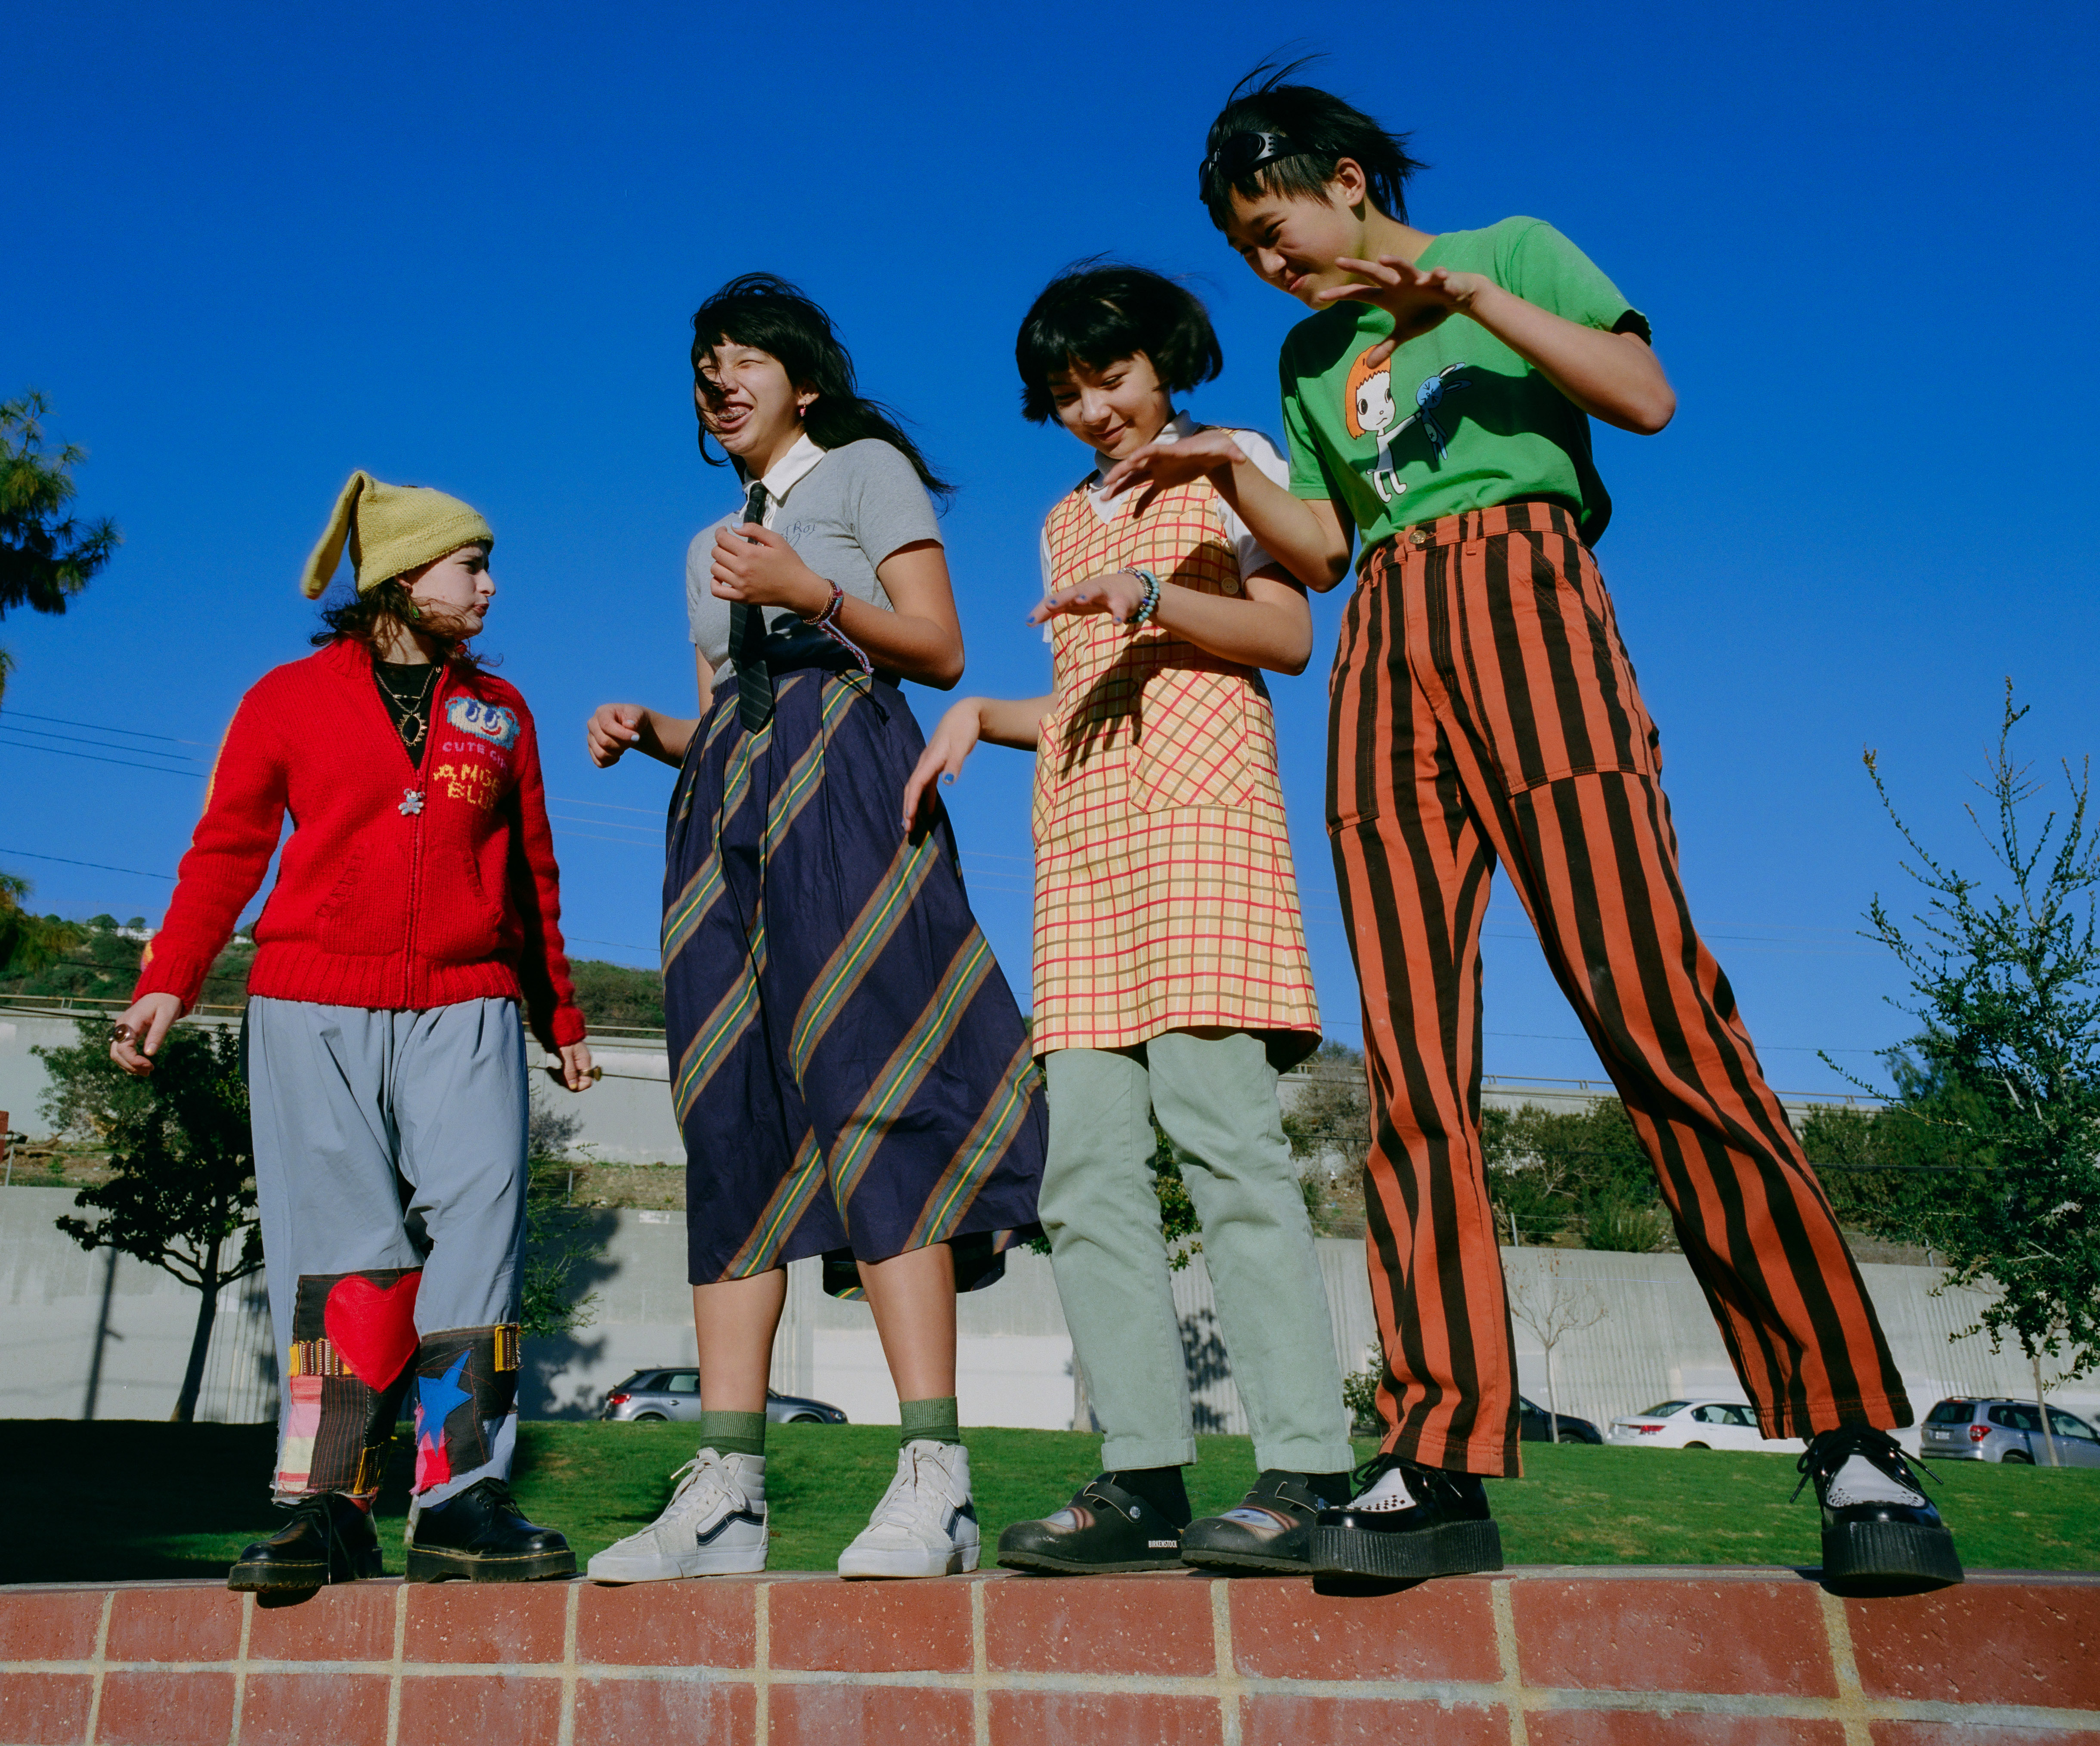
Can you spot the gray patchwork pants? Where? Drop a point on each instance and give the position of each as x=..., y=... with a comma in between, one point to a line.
x=390, y=1141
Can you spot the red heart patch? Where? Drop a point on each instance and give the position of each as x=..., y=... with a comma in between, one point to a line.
x=373, y=1326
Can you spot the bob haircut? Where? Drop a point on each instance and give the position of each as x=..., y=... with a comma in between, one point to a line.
x=765, y=312
x=1096, y=311
x=1323, y=129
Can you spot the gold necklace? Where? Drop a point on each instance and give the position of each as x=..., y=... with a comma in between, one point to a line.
x=410, y=713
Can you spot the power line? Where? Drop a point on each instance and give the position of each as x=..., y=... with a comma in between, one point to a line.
x=60, y=752
x=103, y=728
x=565, y=800
x=100, y=745
x=99, y=866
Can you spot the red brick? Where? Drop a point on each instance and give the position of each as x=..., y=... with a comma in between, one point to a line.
x=478, y=1622
x=1977, y=1733
x=518, y=1709
x=825, y=1715
x=706, y=1624
x=45, y=1709
x=650, y=1711
x=174, y=1625
x=1109, y=1625
x=1623, y=1727
x=53, y=1625
x=830, y=1626
x=297, y=1709
x=1441, y=1630
x=165, y=1709
x=1997, y=1642
x=1102, y=1718
x=1681, y=1635
x=351, y=1621
x=1342, y=1721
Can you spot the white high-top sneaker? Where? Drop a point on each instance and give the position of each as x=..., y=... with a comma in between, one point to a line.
x=713, y=1526
x=925, y=1525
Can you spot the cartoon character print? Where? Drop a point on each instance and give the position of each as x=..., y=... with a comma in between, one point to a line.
x=1372, y=410
x=489, y=721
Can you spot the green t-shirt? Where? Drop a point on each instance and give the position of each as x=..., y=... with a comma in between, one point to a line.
x=1453, y=420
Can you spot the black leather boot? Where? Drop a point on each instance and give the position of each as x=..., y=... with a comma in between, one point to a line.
x=1408, y=1522
x=1270, y=1529
x=1102, y=1530
x=1879, y=1533
x=328, y=1539
x=479, y=1536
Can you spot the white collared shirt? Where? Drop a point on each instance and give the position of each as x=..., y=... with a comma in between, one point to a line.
x=784, y=474
x=1246, y=547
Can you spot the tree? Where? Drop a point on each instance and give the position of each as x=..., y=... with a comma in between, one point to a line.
x=555, y=1238
x=2007, y=1069
x=1553, y=1306
x=29, y=942
x=183, y=1192
x=1553, y=1171
x=46, y=555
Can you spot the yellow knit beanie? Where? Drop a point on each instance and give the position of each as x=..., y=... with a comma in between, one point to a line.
x=391, y=528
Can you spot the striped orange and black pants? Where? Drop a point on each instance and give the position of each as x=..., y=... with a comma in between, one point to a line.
x=1483, y=709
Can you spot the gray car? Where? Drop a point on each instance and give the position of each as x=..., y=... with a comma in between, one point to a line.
x=675, y=1394
x=2007, y=1430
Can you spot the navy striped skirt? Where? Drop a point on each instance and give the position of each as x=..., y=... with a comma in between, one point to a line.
x=850, y=1072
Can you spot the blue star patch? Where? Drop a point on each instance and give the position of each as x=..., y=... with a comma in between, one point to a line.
x=437, y=1396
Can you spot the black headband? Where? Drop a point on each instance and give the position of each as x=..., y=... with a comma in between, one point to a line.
x=1237, y=153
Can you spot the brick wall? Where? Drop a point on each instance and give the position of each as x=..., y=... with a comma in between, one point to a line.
x=1538, y=1657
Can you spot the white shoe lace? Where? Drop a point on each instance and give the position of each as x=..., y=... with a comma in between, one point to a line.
x=702, y=1484
x=909, y=1504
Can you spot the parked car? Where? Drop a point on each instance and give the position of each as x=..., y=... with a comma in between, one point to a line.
x=1699, y=1425
x=1535, y=1425
x=2007, y=1430
x=675, y=1394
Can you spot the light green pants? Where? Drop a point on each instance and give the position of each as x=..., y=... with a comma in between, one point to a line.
x=1217, y=1099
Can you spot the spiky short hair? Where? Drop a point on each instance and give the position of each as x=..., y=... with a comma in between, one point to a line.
x=1324, y=129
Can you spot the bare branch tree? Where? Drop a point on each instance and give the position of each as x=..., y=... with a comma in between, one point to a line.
x=1553, y=1306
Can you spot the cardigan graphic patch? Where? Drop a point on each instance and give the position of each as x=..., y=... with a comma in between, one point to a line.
x=489, y=721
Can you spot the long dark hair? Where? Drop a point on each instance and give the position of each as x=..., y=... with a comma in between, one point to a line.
x=368, y=616
x=765, y=312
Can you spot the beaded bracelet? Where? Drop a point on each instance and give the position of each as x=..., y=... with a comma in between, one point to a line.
x=1150, y=604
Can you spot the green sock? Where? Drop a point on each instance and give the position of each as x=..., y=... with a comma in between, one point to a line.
x=933, y=1421
x=732, y=1433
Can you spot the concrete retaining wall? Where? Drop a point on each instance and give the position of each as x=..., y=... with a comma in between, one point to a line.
x=101, y=1337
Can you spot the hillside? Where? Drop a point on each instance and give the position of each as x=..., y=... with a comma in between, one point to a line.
x=105, y=965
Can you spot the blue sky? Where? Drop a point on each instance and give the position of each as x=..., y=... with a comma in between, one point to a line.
x=459, y=246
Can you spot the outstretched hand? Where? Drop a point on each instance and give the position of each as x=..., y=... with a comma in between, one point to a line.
x=611, y=729
x=953, y=741
x=1194, y=457
x=1117, y=593
x=1416, y=300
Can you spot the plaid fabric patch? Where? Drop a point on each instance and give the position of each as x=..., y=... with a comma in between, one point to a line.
x=1165, y=895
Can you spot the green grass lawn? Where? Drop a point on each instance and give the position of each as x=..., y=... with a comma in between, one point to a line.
x=129, y=1499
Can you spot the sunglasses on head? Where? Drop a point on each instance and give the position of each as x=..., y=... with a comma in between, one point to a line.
x=1238, y=153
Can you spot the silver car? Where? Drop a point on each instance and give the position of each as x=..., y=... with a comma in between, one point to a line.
x=675, y=1394
x=2007, y=1430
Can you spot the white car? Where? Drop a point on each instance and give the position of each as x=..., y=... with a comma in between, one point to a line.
x=1699, y=1425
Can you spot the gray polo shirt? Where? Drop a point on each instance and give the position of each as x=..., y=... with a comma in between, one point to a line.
x=844, y=514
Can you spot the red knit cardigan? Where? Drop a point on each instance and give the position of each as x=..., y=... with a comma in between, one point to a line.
x=404, y=884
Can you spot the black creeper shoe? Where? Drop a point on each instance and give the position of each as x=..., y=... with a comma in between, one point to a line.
x=1405, y=1522
x=1271, y=1529
x=479, y=1536
x=1103, y=1530
x=328, y=1539
x=1878, y=1531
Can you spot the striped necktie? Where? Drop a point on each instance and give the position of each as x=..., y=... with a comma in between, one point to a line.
x=747, y=641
